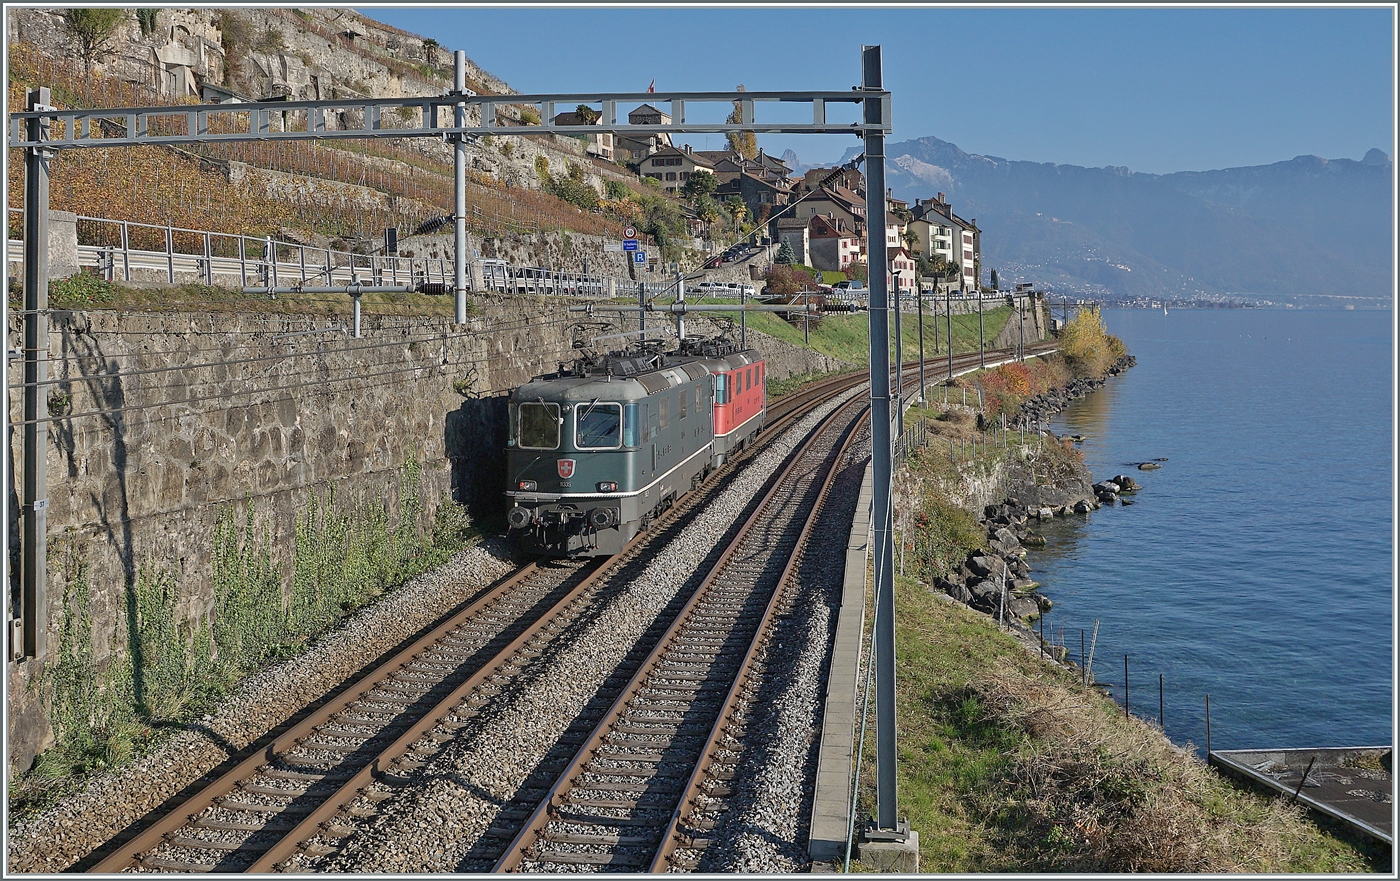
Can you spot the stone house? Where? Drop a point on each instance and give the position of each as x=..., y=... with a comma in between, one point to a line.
x=837, y=202
x=600, y=144
x=672, y=167
x=633, y=149
x=762, y=196
x=834, y=245
x=793, y=231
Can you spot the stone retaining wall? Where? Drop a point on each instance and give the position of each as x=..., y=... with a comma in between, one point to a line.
x=197, y=414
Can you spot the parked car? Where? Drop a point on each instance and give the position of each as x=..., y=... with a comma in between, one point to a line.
x=714, y=262
x=851, y=285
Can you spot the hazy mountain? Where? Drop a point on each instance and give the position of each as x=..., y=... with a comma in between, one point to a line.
x=1305, y=226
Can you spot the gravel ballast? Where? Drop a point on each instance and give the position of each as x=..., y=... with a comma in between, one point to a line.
x=56, y=838
x=437, y=824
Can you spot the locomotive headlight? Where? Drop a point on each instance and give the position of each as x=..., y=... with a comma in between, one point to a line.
x=607, y=486
x=527, y=485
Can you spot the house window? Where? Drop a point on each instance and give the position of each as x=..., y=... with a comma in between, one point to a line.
x=670, y=175
x=685, y=175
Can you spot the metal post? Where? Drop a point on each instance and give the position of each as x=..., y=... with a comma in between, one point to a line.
x=898, y=366
x=356, y=299
x=921, y=344
x=981, y=335
x=34, y=537
x=948, y=307
x=208, y=261
x=882, y=464
x=743, y=320
x=126, y=253
x=169, y=253
x=1207, y=729
x=459, y=172
x=642, y=306
x=680, y=298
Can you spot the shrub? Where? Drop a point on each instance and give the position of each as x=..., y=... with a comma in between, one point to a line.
x=784, y=280
x=83, y=289
x=1087, y=345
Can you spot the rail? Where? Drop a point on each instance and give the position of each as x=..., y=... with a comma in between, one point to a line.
x=230, y=826
x=696, y=672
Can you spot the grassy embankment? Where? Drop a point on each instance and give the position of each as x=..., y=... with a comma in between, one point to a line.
x=846, y=337
x=1007, y=763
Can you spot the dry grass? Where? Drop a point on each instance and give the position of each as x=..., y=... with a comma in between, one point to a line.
x=1097, y=793
x=1009, y=764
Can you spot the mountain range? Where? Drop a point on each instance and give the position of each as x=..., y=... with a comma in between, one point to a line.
x=1287, y=231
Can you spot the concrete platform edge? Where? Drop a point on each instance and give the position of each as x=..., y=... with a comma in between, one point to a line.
x=831, y=808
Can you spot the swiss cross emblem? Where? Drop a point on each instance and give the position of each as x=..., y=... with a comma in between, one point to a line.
x=566, y=468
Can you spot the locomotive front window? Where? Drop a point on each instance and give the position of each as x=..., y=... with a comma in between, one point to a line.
x=721, y=388
x=598, y=426
x=633, y=425
x=539, y=426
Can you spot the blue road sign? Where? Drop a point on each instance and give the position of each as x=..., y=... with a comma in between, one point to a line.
x=639, y=256
x=629, y=244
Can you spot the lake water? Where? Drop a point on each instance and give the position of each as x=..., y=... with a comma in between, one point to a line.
x=1256, y=565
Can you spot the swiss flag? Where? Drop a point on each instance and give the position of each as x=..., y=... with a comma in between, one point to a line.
x=566, y=468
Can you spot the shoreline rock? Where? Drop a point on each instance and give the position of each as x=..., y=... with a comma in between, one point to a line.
x=995, y=579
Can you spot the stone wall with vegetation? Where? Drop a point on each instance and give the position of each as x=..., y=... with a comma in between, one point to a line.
x=223, y=484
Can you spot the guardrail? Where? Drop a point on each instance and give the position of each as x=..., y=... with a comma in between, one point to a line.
x=121, y=250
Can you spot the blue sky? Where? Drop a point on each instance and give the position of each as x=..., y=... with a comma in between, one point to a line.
x=1154, y=89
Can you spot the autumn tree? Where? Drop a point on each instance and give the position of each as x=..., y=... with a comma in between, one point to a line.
x=94, y=30
x=743, y=143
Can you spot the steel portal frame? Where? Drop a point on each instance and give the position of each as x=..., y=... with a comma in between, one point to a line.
x=41, y=130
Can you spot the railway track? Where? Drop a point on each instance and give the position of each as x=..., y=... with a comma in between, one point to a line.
x=254, y=814
x=624, y=800
x=262, y=812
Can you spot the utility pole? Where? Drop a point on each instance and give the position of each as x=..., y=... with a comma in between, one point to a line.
x=948, y=307
x=898, y=365
x=459, y=180
x=743, y=319
x=33, y=539
x=981, y=335
x=882, y=464
x=921, y=344
x=680, y=298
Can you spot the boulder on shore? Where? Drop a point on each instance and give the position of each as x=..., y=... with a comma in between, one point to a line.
x=987, y=566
